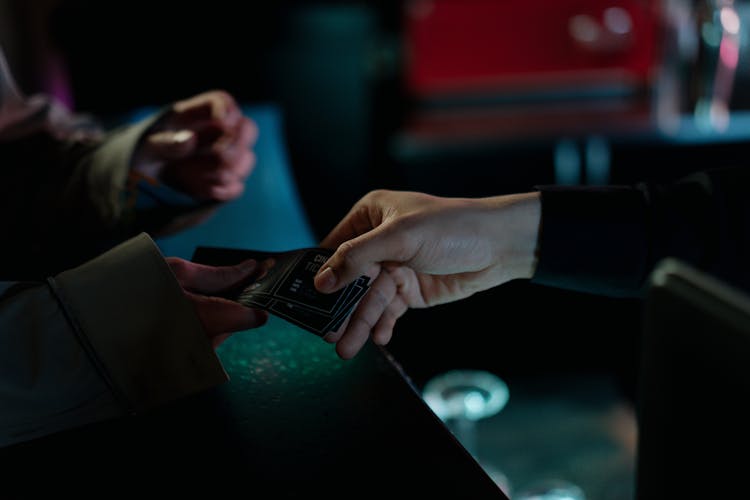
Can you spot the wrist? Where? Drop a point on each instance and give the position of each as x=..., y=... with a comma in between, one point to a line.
x=516, y=221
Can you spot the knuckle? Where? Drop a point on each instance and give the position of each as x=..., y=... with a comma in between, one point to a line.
x=377, y=295
x=179, y=267
x=224, y=95
x=347, y=253
x=377, y=194
x=245, y=163
x=251, y=128
x=217, y=192
x=364, y=324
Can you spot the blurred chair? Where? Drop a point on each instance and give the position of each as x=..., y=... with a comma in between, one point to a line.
x=693, y=434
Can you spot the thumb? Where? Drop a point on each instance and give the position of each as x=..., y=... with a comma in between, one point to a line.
x=359, y=256
x=205, y=279
x=170, y=145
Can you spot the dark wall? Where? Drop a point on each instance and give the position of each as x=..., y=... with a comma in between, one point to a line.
x=139, y=52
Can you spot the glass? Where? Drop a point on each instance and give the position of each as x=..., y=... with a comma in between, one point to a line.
x=462, y=397
x=554, y=489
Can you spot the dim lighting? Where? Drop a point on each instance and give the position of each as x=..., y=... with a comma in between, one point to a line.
x=474, y=403
x=711, y=115
x=617, y=20
x=419, y=9
x=729, y=53
x=466, y=394
x=567, y=162
x=730, y=21
x=711, y=34
x=584, y=28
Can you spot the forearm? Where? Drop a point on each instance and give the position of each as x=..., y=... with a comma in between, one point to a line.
x=65, y=199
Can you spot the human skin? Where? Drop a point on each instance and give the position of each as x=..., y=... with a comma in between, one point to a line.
x=202, y=146
x=202, y=286
x=422, y=250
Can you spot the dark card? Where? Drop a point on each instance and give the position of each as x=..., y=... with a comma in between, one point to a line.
x=298, y=285
x=286, y=288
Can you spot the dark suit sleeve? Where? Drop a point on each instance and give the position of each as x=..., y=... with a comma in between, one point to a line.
x=67, y=192
x=606, y=240
x=63, y=199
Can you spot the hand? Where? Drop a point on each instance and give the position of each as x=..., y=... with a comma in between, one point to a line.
x=422, y=250
x=220, y=317
x=202, y=146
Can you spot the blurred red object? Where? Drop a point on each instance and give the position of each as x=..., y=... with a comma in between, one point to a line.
x=460, y=47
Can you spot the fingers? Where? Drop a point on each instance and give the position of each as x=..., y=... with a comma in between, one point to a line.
x=166, y=145
x=218, y=316
x=215, y=106
x=375, y=316
x=232, y=152
x=383, y=331
x=169, y=145
x=219, y=166
x=219, y=339
x=216, y=176
x=246, y=133
x=214, y=117
x=360, y=255
x=221, y=316
x=368, y=236
x=175, y=144
x=359, y=220
x=369, y=310
x=200, y=278
x=214, y=136
x=202, y=147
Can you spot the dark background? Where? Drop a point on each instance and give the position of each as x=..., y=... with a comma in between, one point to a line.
x=335, y=69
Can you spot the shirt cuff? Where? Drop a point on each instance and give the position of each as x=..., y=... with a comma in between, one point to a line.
x=141, y=331
x=110, y=166
x=593, y=239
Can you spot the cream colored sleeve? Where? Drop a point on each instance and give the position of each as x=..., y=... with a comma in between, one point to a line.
x=114, y=336
x=141, y=331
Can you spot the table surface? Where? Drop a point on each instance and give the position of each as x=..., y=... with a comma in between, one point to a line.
x=294, y=421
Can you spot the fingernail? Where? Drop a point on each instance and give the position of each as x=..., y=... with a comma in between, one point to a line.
x=182, y=136
x=326, y=280
x=171, y=137
x=248, y=266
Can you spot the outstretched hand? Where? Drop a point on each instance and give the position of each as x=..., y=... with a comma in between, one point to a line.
x=201, y=284
x=423, y=250
x=202, y=146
